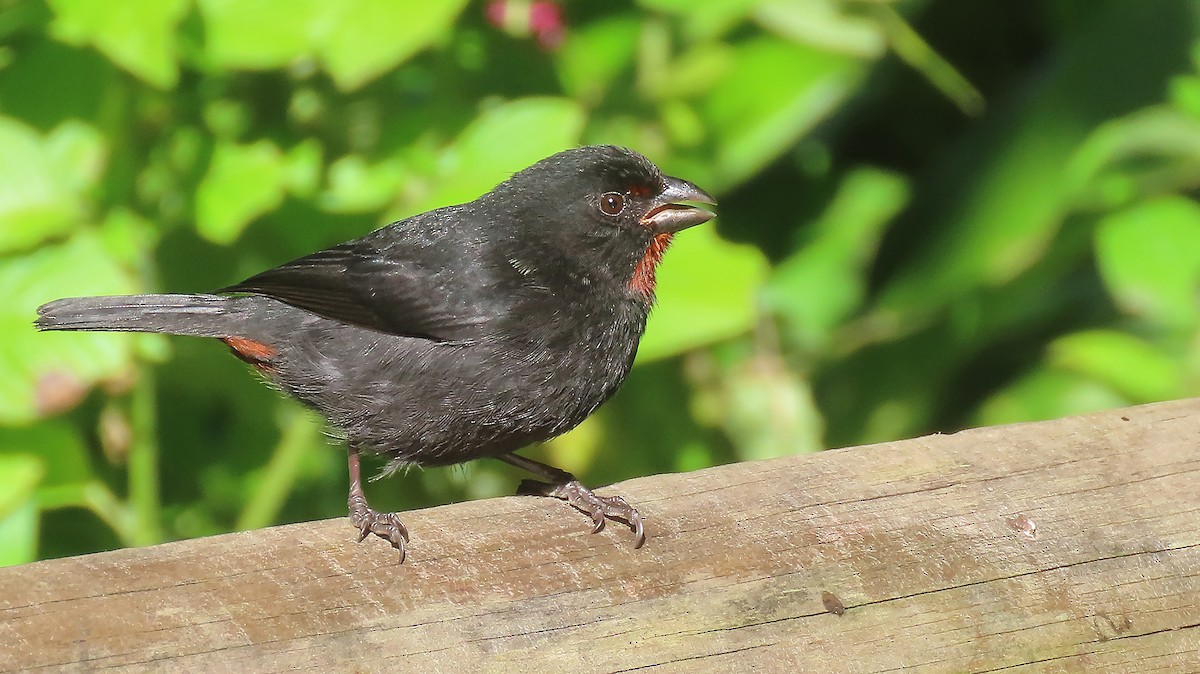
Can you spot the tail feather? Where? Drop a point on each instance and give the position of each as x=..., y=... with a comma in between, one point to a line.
x=197, y=315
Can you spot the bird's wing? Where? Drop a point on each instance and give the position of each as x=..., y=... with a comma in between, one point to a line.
x=371, y=286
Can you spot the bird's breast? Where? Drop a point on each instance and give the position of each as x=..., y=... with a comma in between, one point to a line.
x=578, y=355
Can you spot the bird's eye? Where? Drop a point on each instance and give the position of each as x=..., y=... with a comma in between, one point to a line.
x=612, y=203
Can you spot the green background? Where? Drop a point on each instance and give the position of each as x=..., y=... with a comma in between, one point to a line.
x=933, y=214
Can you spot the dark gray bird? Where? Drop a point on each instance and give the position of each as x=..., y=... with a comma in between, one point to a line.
x=464, y=332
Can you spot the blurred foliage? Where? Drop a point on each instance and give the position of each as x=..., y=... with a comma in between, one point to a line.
x=934, y=214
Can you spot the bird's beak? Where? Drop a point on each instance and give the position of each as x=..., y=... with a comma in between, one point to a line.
x=668, y=215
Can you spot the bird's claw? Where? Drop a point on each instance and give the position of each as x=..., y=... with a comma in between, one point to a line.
x=384, y=525
x=599, y=508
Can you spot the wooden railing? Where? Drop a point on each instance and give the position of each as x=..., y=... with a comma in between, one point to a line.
x=1070, y=545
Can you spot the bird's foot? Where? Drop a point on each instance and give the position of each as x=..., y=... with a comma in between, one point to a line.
x=599, y=508
x=384, y=525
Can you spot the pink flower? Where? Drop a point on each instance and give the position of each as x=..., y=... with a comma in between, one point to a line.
x=541, y=19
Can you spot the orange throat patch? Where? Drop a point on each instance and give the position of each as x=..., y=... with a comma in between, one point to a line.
x=643, y=279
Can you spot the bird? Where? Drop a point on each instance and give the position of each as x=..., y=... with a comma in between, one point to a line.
x=464, y=332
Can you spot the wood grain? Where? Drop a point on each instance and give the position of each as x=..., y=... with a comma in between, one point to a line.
x=1071, y=545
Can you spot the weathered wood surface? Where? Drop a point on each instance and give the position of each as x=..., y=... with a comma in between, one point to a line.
x=1071, y=545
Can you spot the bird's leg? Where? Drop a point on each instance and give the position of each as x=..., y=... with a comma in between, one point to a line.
x=563, y=485
x=384, y=525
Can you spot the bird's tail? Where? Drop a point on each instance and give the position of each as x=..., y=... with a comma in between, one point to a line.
x=197, y=315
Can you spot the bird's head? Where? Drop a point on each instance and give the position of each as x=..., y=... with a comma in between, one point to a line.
x=600, y=214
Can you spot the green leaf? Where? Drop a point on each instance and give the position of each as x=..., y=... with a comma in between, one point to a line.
x=500, y=142
x=1002, y=193
x=57, y=445
x=127, y=237
x=1142, y=153
x=826, y=24
x=138, y=35
x=694, y=73
x=242, y=183
x=1047, y=394
x=78, y=154
x=705, y=18
x=774, y=92
x=706, y=290
x=1185, y=94
x=260, y=34
x=44, y=373
x=19, y=476
x=358, y=187
x=592, y=57
x=41, y=181
x=356, y=40
x=303, y=165
x=18, y=532
x=824, y=283
x=1136, y=369
x=765, y=407
x=1149, y=256
x=367, y=38
x=226, y=119
x=682, y=124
